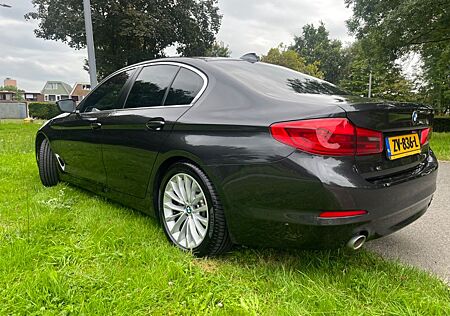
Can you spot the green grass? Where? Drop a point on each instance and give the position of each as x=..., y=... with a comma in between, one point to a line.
x=65, y=251
x=440, y=143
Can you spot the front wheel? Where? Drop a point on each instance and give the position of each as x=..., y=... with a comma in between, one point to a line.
x=48, y=171
x=191, y=213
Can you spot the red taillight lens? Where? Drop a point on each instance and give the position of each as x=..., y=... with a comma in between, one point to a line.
x=425, y=135
x=335, y=214
x=331, y=136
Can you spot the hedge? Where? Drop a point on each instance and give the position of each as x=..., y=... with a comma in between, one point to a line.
x=43, y=110
x=441, y=124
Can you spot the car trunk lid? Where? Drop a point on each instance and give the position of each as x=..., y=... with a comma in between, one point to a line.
x=392, y=119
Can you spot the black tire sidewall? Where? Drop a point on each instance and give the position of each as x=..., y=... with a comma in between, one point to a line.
x=203, y=248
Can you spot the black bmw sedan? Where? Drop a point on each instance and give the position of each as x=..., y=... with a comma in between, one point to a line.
x=236, y=151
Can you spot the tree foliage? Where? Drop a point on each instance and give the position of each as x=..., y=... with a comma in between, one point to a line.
x=291, y=59
x=398, y=27
x=314, y=44
x=218, y=49
x=388, y=82
x=130, y=31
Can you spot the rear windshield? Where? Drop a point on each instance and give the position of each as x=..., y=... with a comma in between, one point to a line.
x=277, y=81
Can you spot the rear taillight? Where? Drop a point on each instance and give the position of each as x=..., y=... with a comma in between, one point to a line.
x=330, y=136
x=425, y=135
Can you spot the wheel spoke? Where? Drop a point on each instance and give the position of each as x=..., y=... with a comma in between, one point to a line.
x=181, y=188
x=174, y=207
x=173, y=196
x=194, y=233
x=187, y=187
x=201, y=219
x=176, y=190
x=202, y=208
x=178, y=223
x=197, y=198
x=171, y=217
x=200, y=228
x=194, y=188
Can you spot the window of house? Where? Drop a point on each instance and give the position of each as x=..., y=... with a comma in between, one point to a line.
x=151, y=85
x=86, y=87
x=52, y=86
x=106, y=95
x=185, y=88
x=52, y=97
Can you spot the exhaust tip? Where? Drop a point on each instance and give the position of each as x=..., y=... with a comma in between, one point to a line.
x=356, y=242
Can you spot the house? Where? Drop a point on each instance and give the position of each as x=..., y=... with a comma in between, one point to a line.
x=8, y=82
x=79, y=91
x=56, y=90
x=7, y=96
x=32, y=96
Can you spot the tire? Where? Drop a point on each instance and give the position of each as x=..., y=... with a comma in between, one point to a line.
x=48, y=170
x=204, y=228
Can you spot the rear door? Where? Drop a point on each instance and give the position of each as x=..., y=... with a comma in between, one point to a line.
x=79, y=137
x=133, y=135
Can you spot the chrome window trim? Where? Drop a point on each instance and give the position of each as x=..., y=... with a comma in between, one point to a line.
x=149, y=64
x=181, y=65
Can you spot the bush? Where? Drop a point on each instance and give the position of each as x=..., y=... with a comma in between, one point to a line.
x=43, y=110
x=441, y=124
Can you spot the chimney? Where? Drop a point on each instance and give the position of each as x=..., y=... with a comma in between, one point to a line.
x=10, y=82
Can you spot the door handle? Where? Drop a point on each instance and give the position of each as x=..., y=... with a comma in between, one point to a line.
x=156, y=124
x=96, y=125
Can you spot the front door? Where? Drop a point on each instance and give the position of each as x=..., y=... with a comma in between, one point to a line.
x=79, y=137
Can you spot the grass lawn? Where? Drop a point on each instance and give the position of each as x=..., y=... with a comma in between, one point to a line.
x=440, y=143
x=66, y=251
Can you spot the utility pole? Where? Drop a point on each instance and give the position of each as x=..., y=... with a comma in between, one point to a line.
x=90, y=43
x=370, y=85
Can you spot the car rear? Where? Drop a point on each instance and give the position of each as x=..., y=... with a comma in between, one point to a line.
x=356, y=166
x=382, y=174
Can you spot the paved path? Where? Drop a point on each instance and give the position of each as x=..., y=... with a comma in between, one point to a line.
x=426, y=242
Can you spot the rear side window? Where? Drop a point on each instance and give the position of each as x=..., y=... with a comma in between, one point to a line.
x=151, y=85
x=277, y=81
x=185, y=88
x=106, y=96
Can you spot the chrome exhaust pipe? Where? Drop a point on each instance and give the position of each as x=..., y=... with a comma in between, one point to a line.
x=356, y=242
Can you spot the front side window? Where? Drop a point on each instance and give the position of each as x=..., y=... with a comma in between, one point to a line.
x=185, y=88
x=151, y=86
x=106, y=96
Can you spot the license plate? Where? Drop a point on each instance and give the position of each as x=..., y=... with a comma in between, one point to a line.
x=402, y=146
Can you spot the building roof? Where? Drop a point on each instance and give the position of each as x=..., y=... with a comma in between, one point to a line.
x=62, y=89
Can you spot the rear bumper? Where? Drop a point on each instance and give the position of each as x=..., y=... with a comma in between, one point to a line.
x=277, y=205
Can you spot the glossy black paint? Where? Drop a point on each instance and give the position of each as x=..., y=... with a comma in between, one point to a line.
x=271, y=192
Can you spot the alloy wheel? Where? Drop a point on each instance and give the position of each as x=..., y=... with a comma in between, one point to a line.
x=186, y=213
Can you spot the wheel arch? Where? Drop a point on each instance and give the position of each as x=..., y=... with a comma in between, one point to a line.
x=40, y=136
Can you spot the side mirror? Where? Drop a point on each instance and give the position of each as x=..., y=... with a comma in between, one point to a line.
x=67, y=105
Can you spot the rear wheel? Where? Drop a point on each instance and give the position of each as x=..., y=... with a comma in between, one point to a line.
x=191, y=213
x=48, y=171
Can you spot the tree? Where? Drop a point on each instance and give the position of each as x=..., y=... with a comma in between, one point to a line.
x=397, y=28
x=126, y=32
x=218, y=50
x=315, y=45
x=388, y=82
x=291, y=59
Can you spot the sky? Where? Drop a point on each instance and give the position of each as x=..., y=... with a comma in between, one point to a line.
x=247, y=26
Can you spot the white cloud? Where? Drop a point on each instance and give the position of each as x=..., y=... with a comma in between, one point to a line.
x=247, y=26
